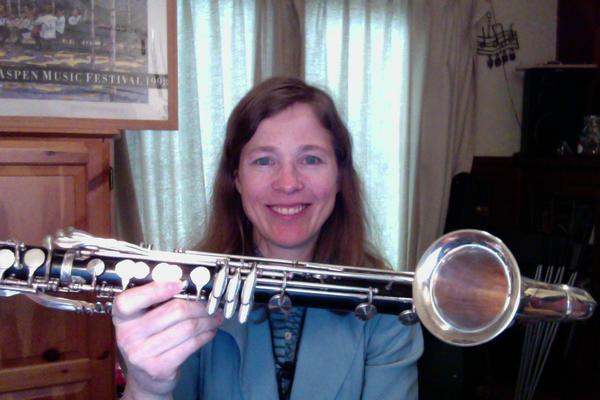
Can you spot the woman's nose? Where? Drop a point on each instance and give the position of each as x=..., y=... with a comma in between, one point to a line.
x=288, y=179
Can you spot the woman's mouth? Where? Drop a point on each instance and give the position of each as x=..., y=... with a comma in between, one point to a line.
x=288, y=210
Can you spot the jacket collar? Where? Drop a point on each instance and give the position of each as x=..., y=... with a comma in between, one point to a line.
x=323, y=361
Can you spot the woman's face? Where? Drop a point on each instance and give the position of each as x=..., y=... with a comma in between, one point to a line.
x=288, y=180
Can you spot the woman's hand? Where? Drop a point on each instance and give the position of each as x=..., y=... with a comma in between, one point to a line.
x=156, y=333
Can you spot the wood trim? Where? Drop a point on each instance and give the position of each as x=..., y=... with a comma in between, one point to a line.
x=173, y=122
x=45, y=374
x=30, y=152
x=63, y=135
x=49, y=126
x=68, y=391
x=558, y=66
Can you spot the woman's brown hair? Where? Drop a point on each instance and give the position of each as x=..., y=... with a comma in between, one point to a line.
x=343, y=237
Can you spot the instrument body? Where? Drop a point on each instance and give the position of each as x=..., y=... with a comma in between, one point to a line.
x=466, y=288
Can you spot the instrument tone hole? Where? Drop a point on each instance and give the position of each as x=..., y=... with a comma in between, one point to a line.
x=471, y=289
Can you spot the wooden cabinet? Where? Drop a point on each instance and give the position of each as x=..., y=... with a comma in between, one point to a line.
x=48, y=183
x=547, y=210
x=556, y=99
x=578, y=36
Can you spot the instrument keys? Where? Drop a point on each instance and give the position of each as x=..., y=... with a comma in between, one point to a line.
x=200, y=276
x=66, y=268
x=95, y=267
x=127, y=269
x=231, y=297
x=218, y=288
x=247, y=296
x=408, y=317
x=141, y=270
x=365, y=311
x=164, y=272
x=124, y=269
x=34, y=258
x=280, y=302
x=7, y=260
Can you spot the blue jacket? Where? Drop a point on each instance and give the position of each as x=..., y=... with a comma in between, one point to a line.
x=339, y=357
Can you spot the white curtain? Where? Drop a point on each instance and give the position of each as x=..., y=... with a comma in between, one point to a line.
x=444, y=31
x=401, y=72
x=172, y=172
x=359, y=51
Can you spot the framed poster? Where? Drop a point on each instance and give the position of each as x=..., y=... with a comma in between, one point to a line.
x=87, y=66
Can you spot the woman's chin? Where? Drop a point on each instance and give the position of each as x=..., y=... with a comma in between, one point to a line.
x=290, y=244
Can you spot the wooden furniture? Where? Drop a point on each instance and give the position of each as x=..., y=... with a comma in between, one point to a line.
x=556, y=99
x=578, y=31
x=47, y=183
x=547, y=210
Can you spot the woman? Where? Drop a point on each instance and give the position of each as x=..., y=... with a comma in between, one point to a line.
x=286, y=188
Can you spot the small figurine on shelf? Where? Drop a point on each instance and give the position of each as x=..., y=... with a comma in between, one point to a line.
x=564, y=149
x=589, y=140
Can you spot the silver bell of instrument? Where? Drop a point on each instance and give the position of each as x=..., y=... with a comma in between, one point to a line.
x=467, y=289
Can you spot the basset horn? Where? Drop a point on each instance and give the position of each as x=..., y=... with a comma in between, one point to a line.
x=466, y=288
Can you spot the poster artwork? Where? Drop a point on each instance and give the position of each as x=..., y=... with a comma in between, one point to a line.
x=85, y=56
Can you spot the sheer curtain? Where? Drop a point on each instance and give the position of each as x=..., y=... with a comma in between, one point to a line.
x=400, y=71
x=359, y=51
x=444, y=32
x=172, y=172
x=403, y=73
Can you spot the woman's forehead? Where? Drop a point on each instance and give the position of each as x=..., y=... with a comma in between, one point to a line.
x=299, y=120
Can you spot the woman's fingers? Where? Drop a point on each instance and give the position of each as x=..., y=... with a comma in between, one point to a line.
x=193, y=314
x=171, y=313
x=156, y=333
x=165, y=339
x=132, y=302
x=160, y=366
x=151, y=325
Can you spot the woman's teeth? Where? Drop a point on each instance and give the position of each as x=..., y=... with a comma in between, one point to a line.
x=288, y=210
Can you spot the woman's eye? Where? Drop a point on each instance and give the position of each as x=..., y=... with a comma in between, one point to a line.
x=263, y=161
x=312, y=160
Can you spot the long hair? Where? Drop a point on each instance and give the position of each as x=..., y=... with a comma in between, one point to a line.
x=343, y=238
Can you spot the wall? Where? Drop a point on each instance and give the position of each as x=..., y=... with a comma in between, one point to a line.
x=497, y=131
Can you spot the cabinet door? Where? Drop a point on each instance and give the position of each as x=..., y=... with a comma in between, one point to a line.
x=578, y=32
x=45, y=185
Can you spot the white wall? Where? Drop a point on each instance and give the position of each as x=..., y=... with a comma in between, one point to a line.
x=497, y=130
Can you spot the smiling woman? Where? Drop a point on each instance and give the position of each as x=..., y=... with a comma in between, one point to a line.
x=287, y=180
x=287, y=137
x=286, y=188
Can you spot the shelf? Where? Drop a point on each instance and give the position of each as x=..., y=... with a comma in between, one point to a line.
x=557, y=66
